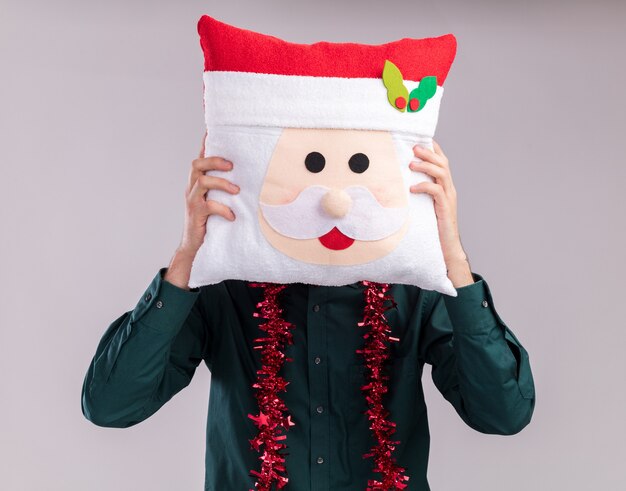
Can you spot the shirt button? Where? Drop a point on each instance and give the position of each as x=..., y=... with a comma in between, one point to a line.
x=320, y=460
x=159, y=304
x=485, y=303
x=318, y=360
x=316, y=308
x=320, y=409
x=148, y=297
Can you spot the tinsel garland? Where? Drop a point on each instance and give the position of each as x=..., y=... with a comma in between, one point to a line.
x=272, y=417
x=273, y=414
x=376, y=354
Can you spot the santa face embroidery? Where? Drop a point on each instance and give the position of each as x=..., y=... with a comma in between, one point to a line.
x=334, y=196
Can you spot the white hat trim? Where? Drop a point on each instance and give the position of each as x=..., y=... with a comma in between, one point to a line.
x=301, y=101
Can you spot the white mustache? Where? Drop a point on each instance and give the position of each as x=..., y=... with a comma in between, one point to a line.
x=305, y=218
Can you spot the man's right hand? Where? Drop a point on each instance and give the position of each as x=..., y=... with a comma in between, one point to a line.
x=198, y=208
x=197, y=211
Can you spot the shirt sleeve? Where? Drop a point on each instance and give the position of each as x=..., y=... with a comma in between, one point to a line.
x=146, y=356
x=478, y=364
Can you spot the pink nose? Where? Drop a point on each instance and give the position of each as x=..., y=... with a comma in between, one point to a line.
x=336, y=203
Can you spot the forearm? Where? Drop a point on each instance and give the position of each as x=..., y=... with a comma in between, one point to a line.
x=459, y=271
x=130, y=365
x=486, y=384
x=179, y=269
x=123, y=374
x=492, y=373
x=478, y=363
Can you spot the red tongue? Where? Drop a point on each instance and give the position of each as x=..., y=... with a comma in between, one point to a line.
x=335, y=240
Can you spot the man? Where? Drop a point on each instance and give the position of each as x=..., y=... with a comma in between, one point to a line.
x=149, y=354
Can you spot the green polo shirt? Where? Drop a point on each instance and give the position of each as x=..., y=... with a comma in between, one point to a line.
x=150, y=353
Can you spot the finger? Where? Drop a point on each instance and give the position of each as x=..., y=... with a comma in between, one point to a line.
x=211, y=205
x=205, y=183
x=201, y=155
x=438, y=149
x=440, y=174
x=211, y=163
x=217, y=208
x=429, y=168
x=435, y=190
x=201, y=165
x=427, y=154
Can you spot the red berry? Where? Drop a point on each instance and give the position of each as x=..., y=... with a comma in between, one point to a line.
x=400, y=102
x=414, y=104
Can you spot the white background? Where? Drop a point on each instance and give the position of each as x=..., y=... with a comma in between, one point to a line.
x=100, y=117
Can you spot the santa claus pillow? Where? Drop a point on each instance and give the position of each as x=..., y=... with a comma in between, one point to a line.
x=321, y=136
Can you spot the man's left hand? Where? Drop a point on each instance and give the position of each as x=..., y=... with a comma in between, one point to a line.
x=436, y=165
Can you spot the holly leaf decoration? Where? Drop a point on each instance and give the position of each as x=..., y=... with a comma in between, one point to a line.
x=424, y=91
x=397, y=93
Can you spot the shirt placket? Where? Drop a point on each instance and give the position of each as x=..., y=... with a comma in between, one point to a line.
x=318, y=388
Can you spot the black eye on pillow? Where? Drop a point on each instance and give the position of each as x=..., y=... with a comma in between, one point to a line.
x=315, y=162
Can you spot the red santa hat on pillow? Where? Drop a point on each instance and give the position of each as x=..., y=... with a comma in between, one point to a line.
x=257, y=79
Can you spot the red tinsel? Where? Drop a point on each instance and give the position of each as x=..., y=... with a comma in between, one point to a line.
x=273, y=416
x=376, y=354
